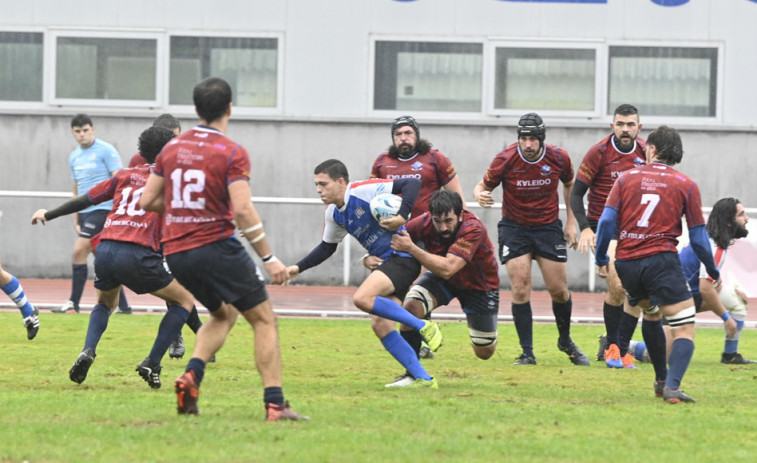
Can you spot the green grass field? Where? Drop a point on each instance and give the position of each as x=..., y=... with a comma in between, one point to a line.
x=335, y=371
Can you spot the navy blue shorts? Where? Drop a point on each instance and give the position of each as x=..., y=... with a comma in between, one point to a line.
x=137, y=267
x=220, y=272
x=402, y=271
x=658, y=278
x=480, y=307
x=91, y=223
x=547, y=241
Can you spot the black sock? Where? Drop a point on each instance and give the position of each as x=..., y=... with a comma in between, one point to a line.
x=198, y=366
x=413, y=338
x=612, y=315
x=273, y=395
x=523, y=319
x=77, y=283
x=626, y=328
x=562, y=312
x=170, y=326
x=654, y=336
x=193, y=322
x=123, y=304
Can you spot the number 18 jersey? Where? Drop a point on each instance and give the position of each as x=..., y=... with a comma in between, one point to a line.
x=650, y=201
x=197, y=167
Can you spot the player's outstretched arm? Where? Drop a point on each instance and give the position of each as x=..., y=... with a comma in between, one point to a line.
x=69, y=207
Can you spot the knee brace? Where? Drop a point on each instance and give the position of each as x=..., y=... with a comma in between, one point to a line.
x=684, y=317
x=482, y=338
x=419, y=293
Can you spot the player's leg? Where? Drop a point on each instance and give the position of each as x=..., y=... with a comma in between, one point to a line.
x=81, y=250
x=612, y=310
x=12, y=287
x=680, y=316
x=556, y=281
x=107, y=301
x=481, y=309
x=519, y=273
x=736, y=305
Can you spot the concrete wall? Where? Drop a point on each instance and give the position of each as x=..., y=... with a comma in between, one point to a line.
x=35, y=151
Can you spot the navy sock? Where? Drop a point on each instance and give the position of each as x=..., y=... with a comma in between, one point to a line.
x=612, y=315
x=77, y=283
x=193, y=322
x=562, y=312
x=123, y=304
x=626, y=327
x=15, y=291
x=198, y=366
x=170, y=326
x=680, y=356
x=413, y=338
x=273, y=395
x=523, y=319
x=403, y=353
x=654, y=337
x=98, y=323
x=732, y=344
x=387, y=308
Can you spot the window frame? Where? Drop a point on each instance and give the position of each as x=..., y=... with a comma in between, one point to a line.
x=160, y=67
x=428, y=115
x=238, y=110
x=14, y=105
x=676, y=120
x=600, y=70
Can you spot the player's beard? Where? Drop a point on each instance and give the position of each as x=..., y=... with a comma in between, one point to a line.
x=740, y=232
x=625, y=144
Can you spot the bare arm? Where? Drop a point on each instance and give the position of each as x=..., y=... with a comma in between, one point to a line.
x=454, y=185
x=483, y=194
x=249, y=222
x=570, y=223
x=444, y=266
x=76, y=215
x=152, y=199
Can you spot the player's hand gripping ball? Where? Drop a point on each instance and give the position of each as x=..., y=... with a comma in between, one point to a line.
x=385, y=205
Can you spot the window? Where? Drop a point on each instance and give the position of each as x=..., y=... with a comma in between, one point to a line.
x=21, y=55
x=664, y=81
x=558, y=79
x=428, y=76
x=102, y=68
x=249, y=65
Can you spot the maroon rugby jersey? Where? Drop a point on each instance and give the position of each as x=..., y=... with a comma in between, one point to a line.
x=137, y=160
x=471, y=243
x=529, y=188
x=198, y=166
x=432, y=168
x=127, y=221
x=650, y=201
x=601, y=166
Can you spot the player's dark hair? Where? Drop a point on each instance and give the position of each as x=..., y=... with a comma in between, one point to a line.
x=334, y=168
x=421, y=146
x=668, y=144
x=167, y=121
x=721, y=224
x=212, y=97
x=444, y=201
x=152, y=140
x=80, y=120
x=626, y=110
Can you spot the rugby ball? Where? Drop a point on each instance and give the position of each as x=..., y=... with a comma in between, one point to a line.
x=385, y=205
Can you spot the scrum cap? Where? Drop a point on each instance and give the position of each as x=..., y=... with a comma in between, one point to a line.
x=532, y=124
x=406, y=120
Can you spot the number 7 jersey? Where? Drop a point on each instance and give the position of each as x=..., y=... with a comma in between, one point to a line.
x=650, y=201
x=197, y=167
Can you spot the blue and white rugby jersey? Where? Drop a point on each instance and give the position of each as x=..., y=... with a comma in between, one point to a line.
x=355, y=218
x=694, y=270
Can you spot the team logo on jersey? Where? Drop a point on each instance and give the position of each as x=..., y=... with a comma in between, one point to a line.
x=359, y=212
x=546, y=170
x=639, y=162
x=416, y=166
x=107, y=223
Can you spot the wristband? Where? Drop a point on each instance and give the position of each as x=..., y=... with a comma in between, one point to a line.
x=257, y=238
x=253, y=228
x=270, y=259
x=365, y=255
x=725, y=316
